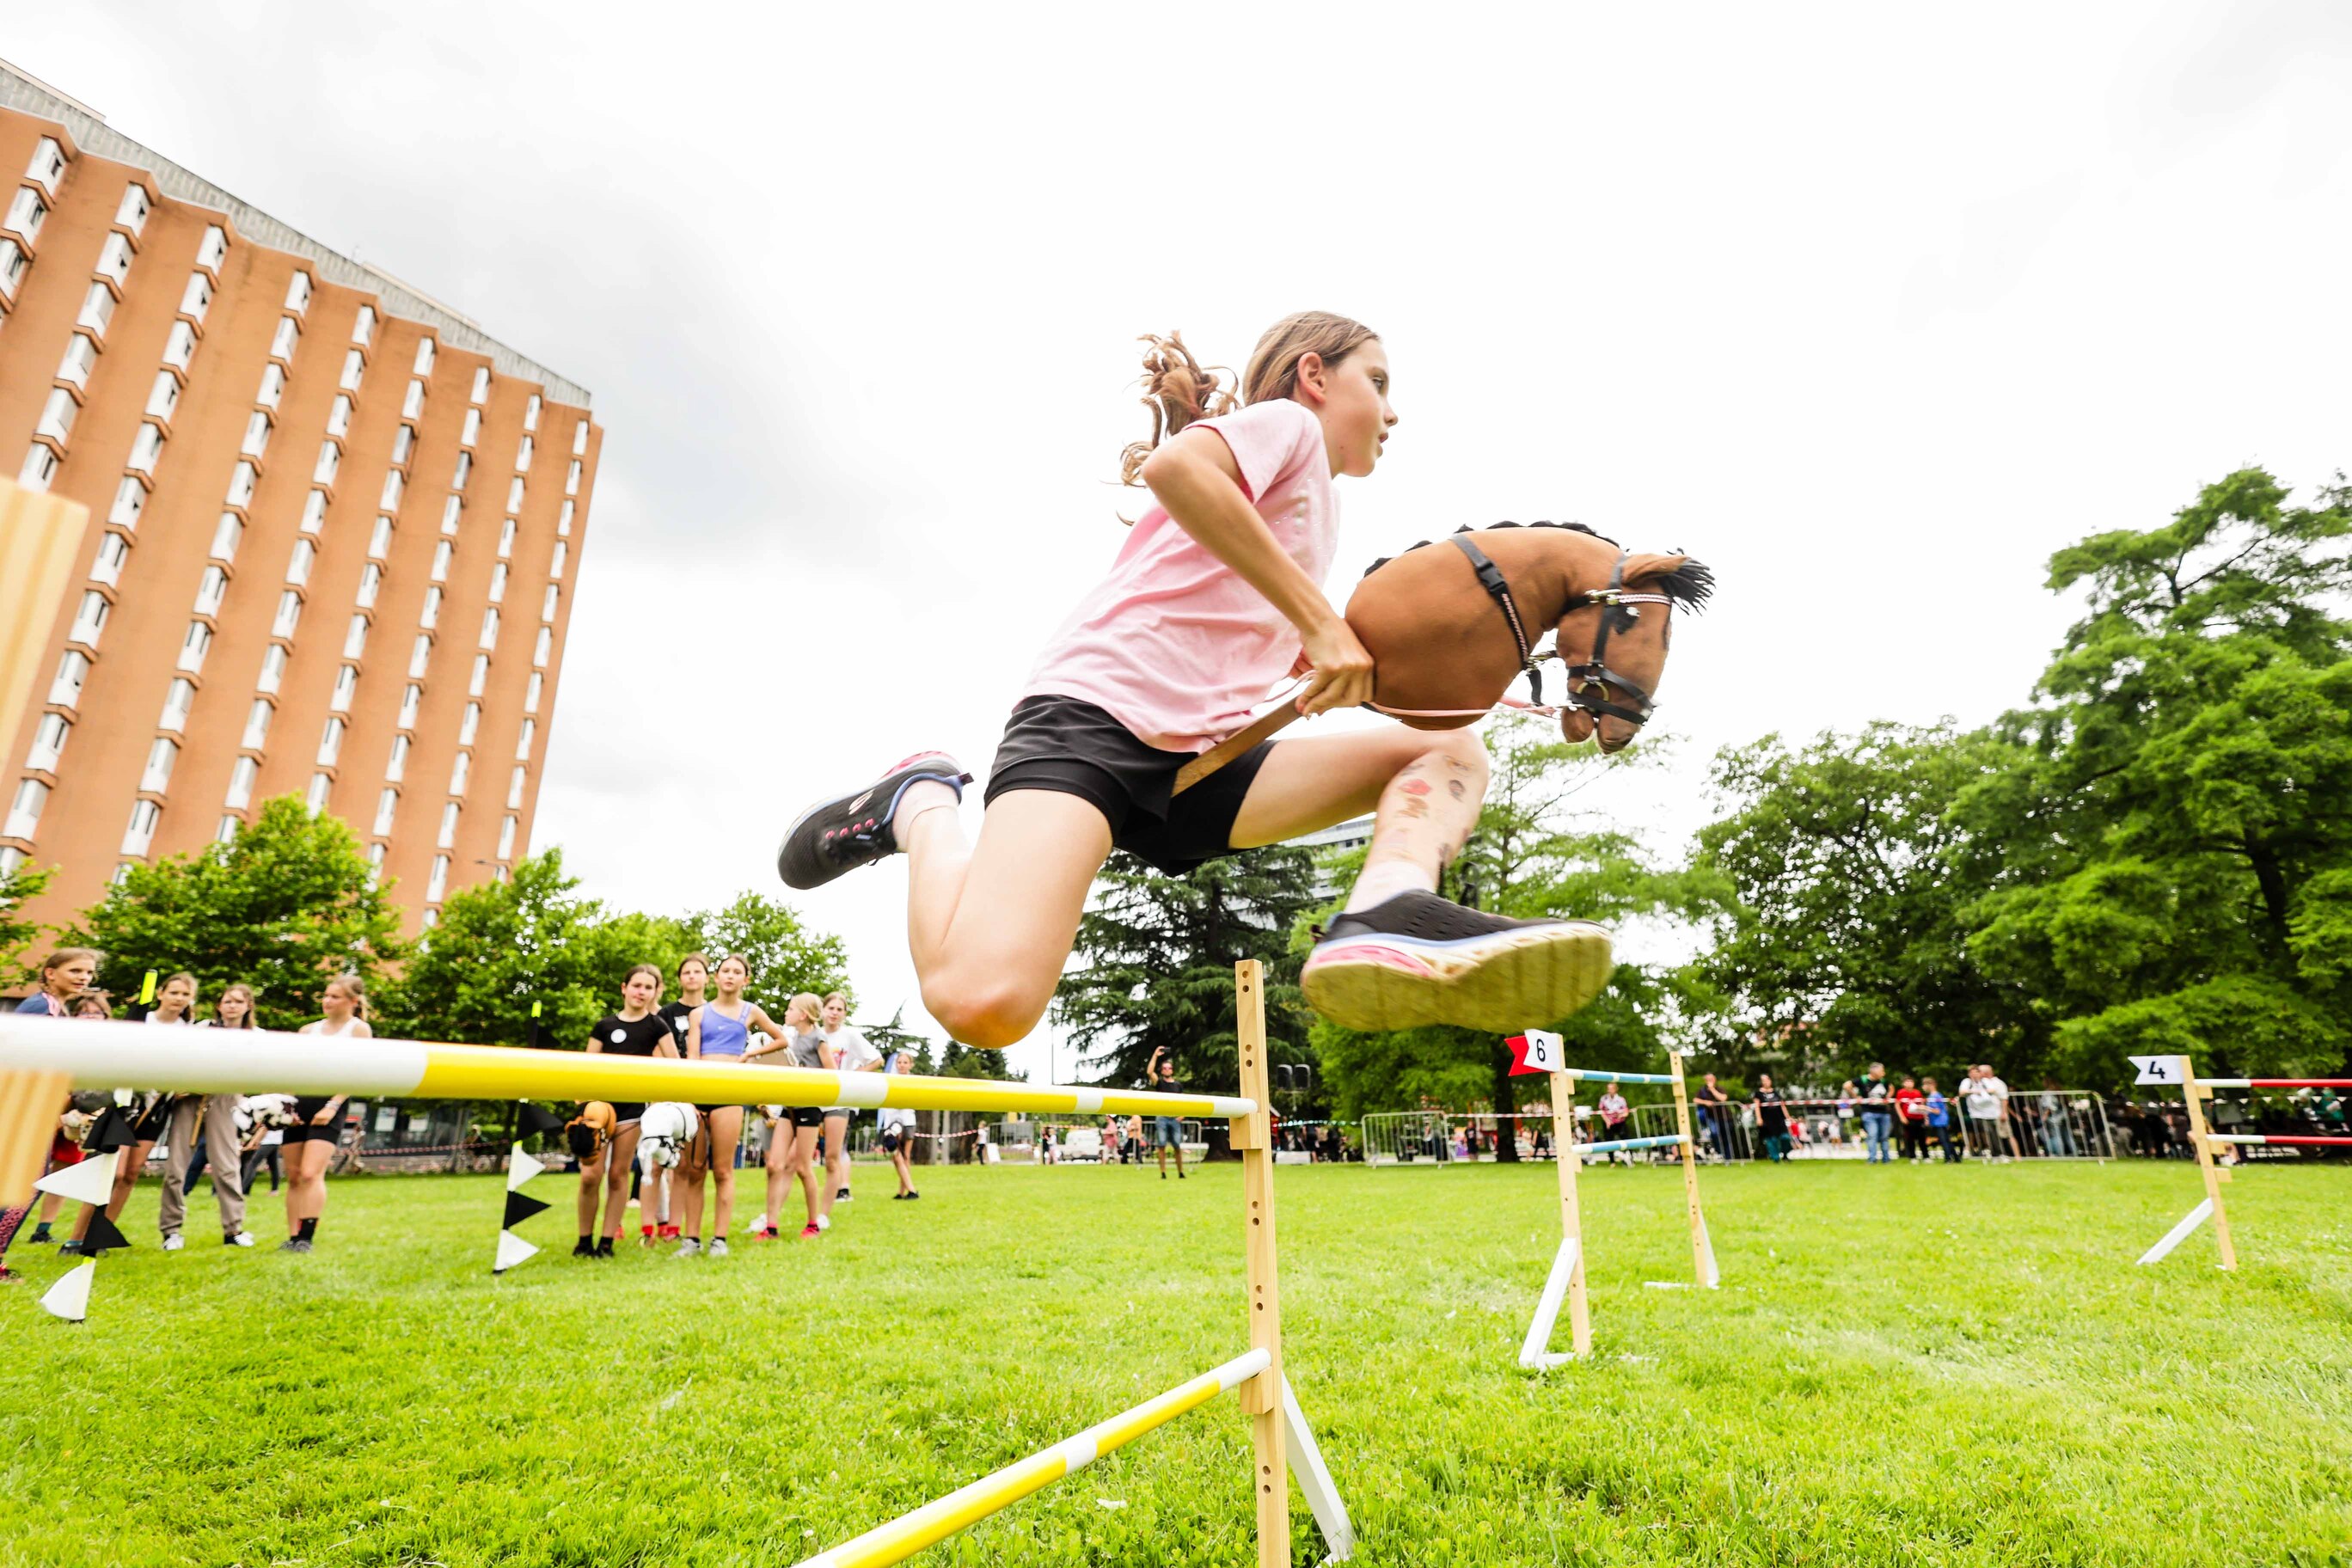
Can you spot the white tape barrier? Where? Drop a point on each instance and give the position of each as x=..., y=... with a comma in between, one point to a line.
x=2179, y=1233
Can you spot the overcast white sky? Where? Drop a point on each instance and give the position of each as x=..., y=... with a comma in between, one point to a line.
x=1870, y=306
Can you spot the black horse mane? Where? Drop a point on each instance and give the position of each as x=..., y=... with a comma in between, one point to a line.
x=1690, y=584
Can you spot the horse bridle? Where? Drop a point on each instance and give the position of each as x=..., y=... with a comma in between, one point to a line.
x=1588, y=682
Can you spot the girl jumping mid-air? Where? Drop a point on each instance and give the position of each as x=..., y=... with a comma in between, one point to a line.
x=1214, y=601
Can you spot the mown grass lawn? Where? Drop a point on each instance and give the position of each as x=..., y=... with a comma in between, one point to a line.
x=1903, y=1367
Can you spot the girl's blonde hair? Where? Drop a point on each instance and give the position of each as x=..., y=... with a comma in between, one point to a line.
x=357, y=992
x=236, y=988
x=1179, y=389
x=66, y=955
x=807, y=1005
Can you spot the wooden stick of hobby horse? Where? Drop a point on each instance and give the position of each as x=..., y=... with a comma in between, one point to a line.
x=1261, y=729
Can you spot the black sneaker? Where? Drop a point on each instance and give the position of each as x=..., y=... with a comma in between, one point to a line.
x=841, y=1195
x=605, y=1247
x=1419, y=959
x=583, y=1247
x=854, y=829
x=40, y=1237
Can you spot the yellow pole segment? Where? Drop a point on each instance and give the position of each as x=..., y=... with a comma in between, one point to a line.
x=1572, y=1218
x=1262, y=1399
x=2194, y=1094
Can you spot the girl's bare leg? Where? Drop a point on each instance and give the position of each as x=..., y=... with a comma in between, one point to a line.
x=1425, y=784
x=804, y=1168
x=726, y=1127
x=990, y=925
x=620, y=1157
x=691, y=1166
x=836, y=1155
x=780, y=1170
x=592, y=1185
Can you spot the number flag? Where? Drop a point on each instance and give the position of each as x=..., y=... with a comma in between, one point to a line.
x=1537, y=1051
x=2157, y=1069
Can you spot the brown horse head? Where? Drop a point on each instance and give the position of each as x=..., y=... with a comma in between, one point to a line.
x=1449, y=627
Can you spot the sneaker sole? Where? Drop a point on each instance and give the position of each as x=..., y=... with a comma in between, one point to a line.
x=1501, y=984
x=843, y=799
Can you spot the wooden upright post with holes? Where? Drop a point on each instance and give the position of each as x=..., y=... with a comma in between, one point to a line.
x=1572, y=1218
x=1261, y=1397
x=2194, y=1095
x=1702, y=1249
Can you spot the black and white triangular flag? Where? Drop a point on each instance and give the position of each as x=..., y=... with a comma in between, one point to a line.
x=90, y=1182
x=521, y=1206
x=521, y=1168
x=115, y=1128
x=513, y=1249
x=69, y=1297
x=102, y=1235
x=535, y=1120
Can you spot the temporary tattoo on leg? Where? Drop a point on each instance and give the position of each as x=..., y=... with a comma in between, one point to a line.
x=1454, y=787
x=1457, y=765
x=1417, y=807
x=1421, y=787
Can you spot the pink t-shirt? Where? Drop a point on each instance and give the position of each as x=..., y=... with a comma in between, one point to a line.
x=1174, y=643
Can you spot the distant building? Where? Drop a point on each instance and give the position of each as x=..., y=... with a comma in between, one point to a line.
x=1340, y=837
x=334, y=527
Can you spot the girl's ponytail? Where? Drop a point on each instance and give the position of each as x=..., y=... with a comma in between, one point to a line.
x=1178, y=389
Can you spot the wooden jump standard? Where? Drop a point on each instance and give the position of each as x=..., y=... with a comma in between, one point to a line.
x=2194, y=1092
x=1566, y=1282
x=41, y=1059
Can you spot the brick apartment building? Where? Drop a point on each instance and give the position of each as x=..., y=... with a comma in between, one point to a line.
x=334, y=529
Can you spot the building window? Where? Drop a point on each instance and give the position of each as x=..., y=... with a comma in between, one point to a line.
x=90, y=619
x=480, y=677
x=414, y=404
x=240, y=784
x=441, y=561
x=26, y=212
x=314, y=511
x=133, y=212
x=473, y=430
x=522, y=457
x=114, y=264
x=514, y=789
x=465, y=471
x=424, y=357
x=49, y=743
x=354, y=363
x=403, y=444
x=386, y=803
x=507, y=838
x=146, y=448
x=347, y=685
x=176, y=703
x=363, y=326
x=330, y=742
x=256, y=725
x=514, y=493
x=489, y=638
x=546, y=605
x=555, y=563
x=370, y=584
x=530, y=692
x=523, y=738
x=449, y=833
x=392, y=481
x=49, y=164
x=397, y=763
x=314, y=799
x=499, y=584
x=211, y=589
x=290, y=615
x=257, y=425
x=419, y=655
x=25, y=809
x=130, y=500
x=163, y=397
x=40, y=469
x=227, y=534
x=273, y=668
x=13, y=264
x=380, y=541
x=97, y=310
x=298, y=293
x=180, y=345
x=140, y=833
x=409, y=699
x=80, y=358
x=437, y=884
x=197, y=297
x=339, y=416
x=457, y=772
x=113, y=554
x=580, y=440
x=273, y=386
x=242, y=479
x=355, y=637
x=57, y=414
x=506, y=539
x=545, y=646
x=467, y=725
x=430, y=615
x=160, y=756
x=64, y=691
x=331, y=458
x=227, y=832
x=450, y=509
x=298, y=565
x=215, y=250
x=481, y=382
x=289, y=333
x=531, y=413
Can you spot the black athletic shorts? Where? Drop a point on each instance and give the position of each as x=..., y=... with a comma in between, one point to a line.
x=626, y=1110
x=1073, y=747
x=804, y=1115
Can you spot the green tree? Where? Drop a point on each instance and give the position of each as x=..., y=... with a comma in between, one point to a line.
x=18, y=888
x=1533, y=854
x=1155, y=964
x=785, y=955
x=285, y=907
x=1853, y=884
x=2171, y=865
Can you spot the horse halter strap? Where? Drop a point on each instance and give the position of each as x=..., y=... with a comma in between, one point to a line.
x=1588, y=682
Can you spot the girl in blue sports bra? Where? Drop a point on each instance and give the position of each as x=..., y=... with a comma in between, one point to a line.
x=721, y=1028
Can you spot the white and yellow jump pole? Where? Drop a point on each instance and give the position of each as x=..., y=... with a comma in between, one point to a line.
x=41, y=1059
x=1565, y=1285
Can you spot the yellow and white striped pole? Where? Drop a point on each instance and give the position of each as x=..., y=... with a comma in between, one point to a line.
x=254, y=1061
x=935, y=1522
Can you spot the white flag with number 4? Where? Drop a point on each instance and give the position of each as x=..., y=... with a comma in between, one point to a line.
x=2157, y=1069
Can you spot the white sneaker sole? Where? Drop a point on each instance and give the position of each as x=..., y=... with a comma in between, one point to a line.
x=1528, y=976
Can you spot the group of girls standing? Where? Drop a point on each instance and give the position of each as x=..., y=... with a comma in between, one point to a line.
x=711, y=1019
x=201, y=1131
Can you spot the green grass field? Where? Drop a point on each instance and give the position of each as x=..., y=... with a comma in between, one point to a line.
x=1903, y=1367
